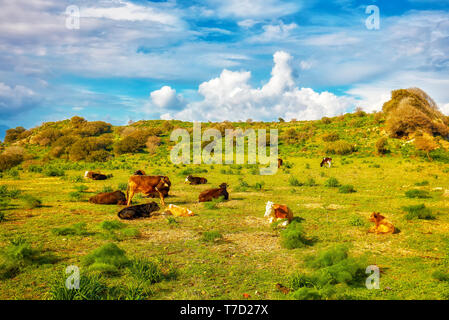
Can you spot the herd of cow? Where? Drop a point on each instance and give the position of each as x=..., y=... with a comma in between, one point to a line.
x=153, y=186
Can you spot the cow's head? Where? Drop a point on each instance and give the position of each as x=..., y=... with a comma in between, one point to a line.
x=224, y=185
x=188, y=178
x=85, y=174
x=166, y=182
x=269, y=211
x=376, y=217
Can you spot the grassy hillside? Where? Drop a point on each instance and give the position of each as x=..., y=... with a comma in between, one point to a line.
x=227, y=250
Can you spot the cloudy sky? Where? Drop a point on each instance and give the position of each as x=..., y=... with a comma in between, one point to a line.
x=214, y=59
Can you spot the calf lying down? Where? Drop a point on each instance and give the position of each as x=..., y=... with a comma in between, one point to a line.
x=382, y=225
x=276, y=212
x=139, y=211
x=177, y=211
x=116, y=197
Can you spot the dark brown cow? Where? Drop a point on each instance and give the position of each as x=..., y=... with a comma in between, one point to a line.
x=95, y=175
x=327, y=161
x=139, y=211
x=280, y=162
x=140, y=173
x=195, y=180
x=116, y=197
x=208, y=195
x=147, y=185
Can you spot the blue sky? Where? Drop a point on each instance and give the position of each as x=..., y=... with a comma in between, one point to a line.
x=215, y=60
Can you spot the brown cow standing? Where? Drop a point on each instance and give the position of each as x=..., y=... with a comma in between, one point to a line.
x=208, y=195
x=116, y=197
x=147, y=185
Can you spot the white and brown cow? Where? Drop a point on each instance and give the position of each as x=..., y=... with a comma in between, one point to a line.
x=275, y=212
x=327, y=161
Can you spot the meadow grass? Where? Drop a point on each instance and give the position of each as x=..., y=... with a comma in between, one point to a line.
x=250, y=256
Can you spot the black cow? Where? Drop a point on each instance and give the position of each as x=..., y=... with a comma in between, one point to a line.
x=139, y=211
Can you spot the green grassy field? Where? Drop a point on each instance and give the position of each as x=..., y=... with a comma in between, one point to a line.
x=248, y=259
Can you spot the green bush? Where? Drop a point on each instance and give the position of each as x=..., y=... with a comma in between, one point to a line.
x=211, y=236
x=357, y=221
x=147, y=271
x=441, y=276
x=112, y=225
x=2, y=216
x=415, y=193
x=332, y=183
x=128, y=144
x=90, y=288
x=54, y=172
x=75, y=196
x=310, y=182
x=293, y=236
x=294, y=182
x=31, y=202
x=18, y=255
x=347, y=189
x=339, y=147
x=108, y=259
x=418, y=212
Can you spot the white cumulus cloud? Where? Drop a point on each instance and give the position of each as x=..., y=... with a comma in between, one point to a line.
x=231, y=97
x=166, y=98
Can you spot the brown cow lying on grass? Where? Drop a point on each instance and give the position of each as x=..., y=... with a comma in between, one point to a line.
x=139, y=211
x=116, y=197
x=382, y=226
x=147, y=185
x=208, y=195
x=275, y=212
x=95, y=175
x=195, y=180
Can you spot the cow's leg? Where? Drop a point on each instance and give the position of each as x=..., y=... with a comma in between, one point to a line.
x=130, y=197
x=161, y=196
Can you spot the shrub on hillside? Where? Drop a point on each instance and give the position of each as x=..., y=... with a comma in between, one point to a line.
x=326, y=120
x=152, y=144
x=8, y=161
x=410, y=110
x=12, y=135
x=426, y=143
x=339, y=147
x=93, y=129
x=128, y=145
x=330, y=137
x=87, y=149
x=31, y=202
x=382, y=146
